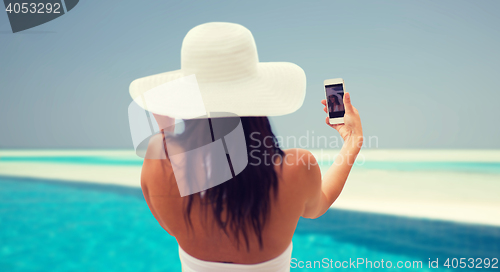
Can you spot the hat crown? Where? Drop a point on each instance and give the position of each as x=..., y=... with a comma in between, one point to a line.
x=219, y=52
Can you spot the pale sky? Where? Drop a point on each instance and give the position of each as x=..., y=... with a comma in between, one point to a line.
x=423, y=74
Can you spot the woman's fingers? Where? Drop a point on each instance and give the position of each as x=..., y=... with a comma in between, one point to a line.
x=327, y=120
x=323, y=102
x=347, y=103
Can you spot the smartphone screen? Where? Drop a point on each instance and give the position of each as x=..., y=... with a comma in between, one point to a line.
x=335, y=100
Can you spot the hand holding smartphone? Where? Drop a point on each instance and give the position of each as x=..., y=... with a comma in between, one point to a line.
x=334, y=93
x=342, y=115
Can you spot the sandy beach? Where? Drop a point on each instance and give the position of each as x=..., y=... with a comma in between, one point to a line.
x=452, y=196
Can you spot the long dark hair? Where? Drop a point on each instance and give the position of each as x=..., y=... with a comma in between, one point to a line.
x=247, y=197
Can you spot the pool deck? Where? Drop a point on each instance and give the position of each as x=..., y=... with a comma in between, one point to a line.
x=451, y=196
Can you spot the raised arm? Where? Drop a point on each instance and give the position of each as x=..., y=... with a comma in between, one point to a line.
x=324, y=191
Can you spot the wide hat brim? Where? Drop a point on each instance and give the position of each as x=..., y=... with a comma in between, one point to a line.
x=278, y=88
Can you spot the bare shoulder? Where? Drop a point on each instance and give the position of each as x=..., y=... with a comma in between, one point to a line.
x=301, y=167
x=156, y=169
x=300, y=160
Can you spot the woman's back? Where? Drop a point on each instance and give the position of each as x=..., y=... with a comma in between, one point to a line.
x=206, y=240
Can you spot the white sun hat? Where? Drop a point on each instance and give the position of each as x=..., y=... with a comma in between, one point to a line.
x=221, y=73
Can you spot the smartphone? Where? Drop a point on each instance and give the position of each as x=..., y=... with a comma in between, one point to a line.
x=334, y=93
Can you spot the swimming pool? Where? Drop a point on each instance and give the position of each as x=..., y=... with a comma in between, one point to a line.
x=74, y=226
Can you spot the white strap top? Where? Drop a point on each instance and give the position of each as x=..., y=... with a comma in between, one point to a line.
x=278, y=264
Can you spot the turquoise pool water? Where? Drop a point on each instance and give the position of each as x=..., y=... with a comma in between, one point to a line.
x=67, y=226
